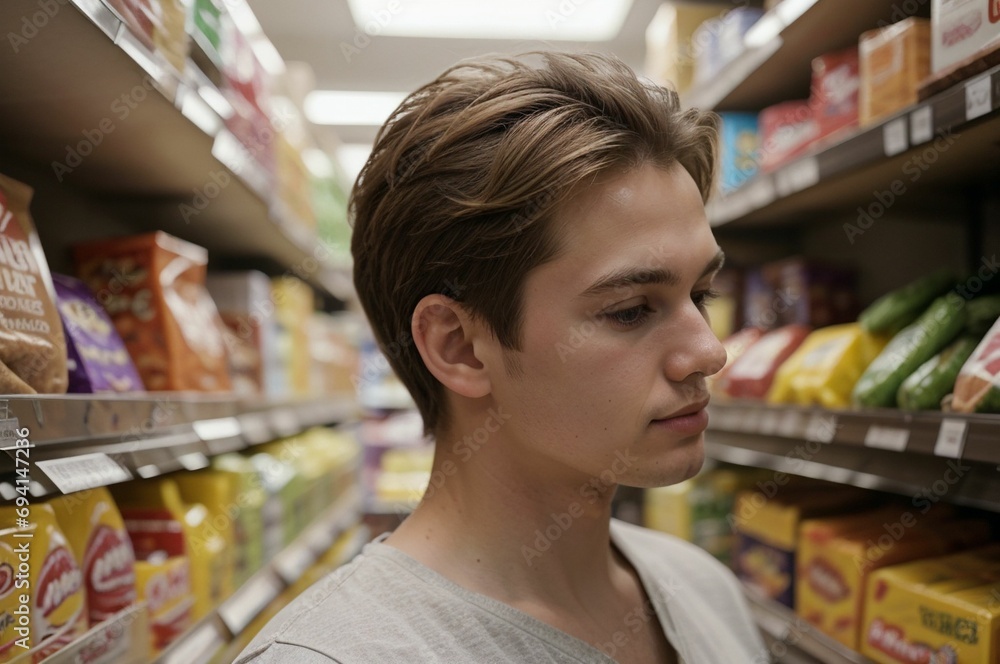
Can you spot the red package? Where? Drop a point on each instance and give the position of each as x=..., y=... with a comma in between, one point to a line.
x=834, y=96
x=786, y=131
x=736, y=345
x=751, y=375
x=977, y=389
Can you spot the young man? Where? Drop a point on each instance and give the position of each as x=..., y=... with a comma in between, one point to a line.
x=532, y=251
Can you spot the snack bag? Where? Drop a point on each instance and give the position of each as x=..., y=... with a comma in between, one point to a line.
x=153, y=287
x=57, y=597
x=97, y=359
x=977, y=388
x=97, y=535
x=32, y=346
x=735, y=346
x=293, y=301
x=751, y=375
x=244, y=301
x=247, y=514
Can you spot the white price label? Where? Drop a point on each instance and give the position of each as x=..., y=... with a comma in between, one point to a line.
x=951, y=438
x=223, y=427
x=921, y=125
x=84, y=471
x=887, y=438
x=193, y=461
x=798, y=176
x=894, y=137
x=821, y=428
x=978, y=97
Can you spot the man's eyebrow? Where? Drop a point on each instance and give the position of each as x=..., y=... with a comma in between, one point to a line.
x=641, y=276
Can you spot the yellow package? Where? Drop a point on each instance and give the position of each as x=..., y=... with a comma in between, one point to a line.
x=218, y=492
x=247, y=515
x=917, y=613
x=96, y=533
x=15, y=598
x=824, y=369
x=164, y=584
x=46, y=580
x=293, y=301
x=668, y=509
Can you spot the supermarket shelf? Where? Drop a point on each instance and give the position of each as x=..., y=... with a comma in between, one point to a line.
x=85, y=441
x=947, y=140
x=799, y=641
x=774, y=65
x=121, y=639
x=83, y=85
x=952, y=435
x=201, y=643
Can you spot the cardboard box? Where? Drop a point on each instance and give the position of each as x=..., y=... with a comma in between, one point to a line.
x=834, y=92
x=786, y=132
x=960, y=29
x=893, y=61
x=670, y=47
x=739, y=150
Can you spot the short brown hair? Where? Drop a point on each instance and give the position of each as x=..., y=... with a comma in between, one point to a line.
x=464, y=174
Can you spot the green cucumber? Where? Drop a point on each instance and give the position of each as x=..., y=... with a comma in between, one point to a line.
x=981, y=313
x=905, y=352
x=894, y=311
x=935, y=378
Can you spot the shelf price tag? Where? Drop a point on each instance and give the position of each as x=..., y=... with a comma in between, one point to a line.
x=887, y=438
x=978, y=97
x=800, y=175
x=84, y=471
x=821, y=428
x=922, y=125
x=951, y=438
x=894, y=137
x=198, y=645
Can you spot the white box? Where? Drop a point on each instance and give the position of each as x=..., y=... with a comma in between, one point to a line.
x=961, y=28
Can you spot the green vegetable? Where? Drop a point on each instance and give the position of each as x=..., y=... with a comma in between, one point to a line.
x=981, y=313
x=914, y=345
x=894, y=311
x=925, y=387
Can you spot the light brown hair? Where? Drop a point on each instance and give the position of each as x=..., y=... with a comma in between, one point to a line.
x=463, y=176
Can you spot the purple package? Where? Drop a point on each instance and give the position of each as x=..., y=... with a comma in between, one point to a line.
x=97, y=359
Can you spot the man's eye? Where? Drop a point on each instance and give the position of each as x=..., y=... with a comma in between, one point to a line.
x=631, y=317
x=702, y=298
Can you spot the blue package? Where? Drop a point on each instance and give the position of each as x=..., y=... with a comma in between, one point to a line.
x=739, y=150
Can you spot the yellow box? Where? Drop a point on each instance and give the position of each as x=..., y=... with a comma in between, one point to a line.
x=165, y=587
x=893, y=61
x=918, y=612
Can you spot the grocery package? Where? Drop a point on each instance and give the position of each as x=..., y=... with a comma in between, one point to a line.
x=32, y=346
x=154, y=518
x=834, y=563
x=334, y=365
x=824, y=369
x=834, y=94
x=797, y=290
x=725, y=314
x=739, y=149
x=207, y=26
x=934, y=379
x=244, y=302
x=735, y=346
x=977, y=388
x=96, y=533
x=294, y=183
x=153, y=288
x=246, y=513
x=141, y=16
x=893, y=61
x=961, y=29
x=278, y=479
x=766, y=523
x=895, y=310
x=751, y=375
x=245, y=87
x=95, y=354
x=733, y=26
x=671, y=46
x=293, y=302
x=171, y=37
x=935, y=610
x=56, y=603
x=787, y=130
x=915, y=344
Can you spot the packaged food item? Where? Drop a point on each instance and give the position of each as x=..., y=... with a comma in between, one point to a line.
x=936, y=610
x=977, y=388
x=893, y=61
x=733, y=26
x=739, y=144
x=207, y=26
x=96, y=356
x=96, y=533
x=751, y=375
x=278, y=519
x=671, y=43
x=725, y=313
x=32, y=346
x=141, y=16
x=735, y=346
x=834, y=93
x=935, y=329
x=335, y=361
x=246, y=88
x=934, y=379
x=787, y=130
x=960, y=29
x=153, y=287
x=56, y=597
x=895, y=310
x=246, y=514
x=293, y=301
x=218, y=492
x=766, y=522
x=244, y=302
x=164, y=584
x=802, y=291
x=171, y=37
x=824, y=369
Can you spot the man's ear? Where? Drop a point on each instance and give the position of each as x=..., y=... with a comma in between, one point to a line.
x=445, y=336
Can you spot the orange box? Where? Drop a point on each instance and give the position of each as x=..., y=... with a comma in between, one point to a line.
x=893, y=61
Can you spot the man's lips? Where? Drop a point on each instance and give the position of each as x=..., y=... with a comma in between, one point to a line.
x=687, y=410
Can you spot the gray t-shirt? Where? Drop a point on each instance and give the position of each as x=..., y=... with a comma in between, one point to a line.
x=385, y=608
